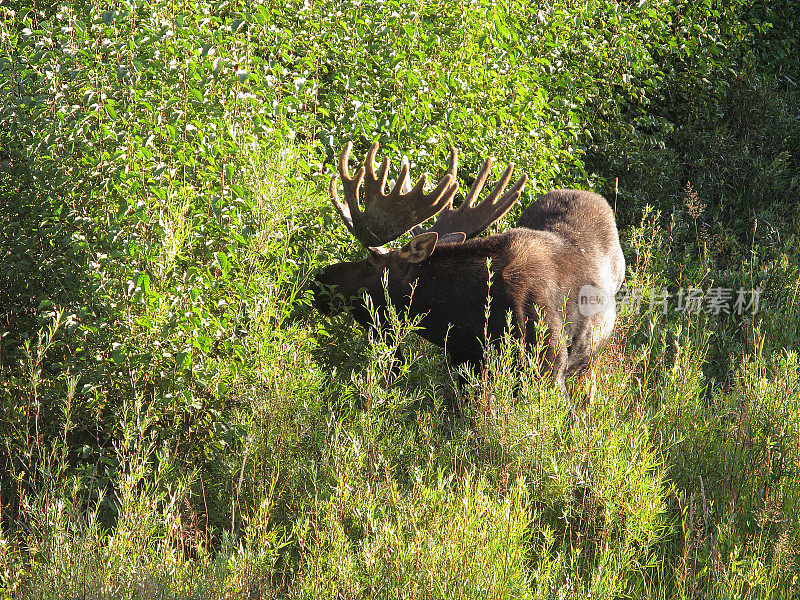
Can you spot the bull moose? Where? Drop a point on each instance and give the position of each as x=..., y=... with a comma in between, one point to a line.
x=561, y=263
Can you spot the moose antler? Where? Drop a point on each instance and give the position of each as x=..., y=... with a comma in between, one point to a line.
x=385, y=217
x=471, y=218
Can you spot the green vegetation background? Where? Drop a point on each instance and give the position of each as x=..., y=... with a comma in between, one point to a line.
x=176, y=422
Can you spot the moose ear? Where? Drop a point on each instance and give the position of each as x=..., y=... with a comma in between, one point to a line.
x=420, y=247
x=456, y=237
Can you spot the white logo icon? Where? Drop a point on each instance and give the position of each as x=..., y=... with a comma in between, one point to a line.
x=592, y=300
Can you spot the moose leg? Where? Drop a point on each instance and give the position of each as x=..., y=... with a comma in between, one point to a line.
x=558, y=371
x=557, y=356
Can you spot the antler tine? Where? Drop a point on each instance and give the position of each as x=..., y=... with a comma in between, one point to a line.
x=452, y=167
x=373, y=186
x=511, y=196
x=341, y=208
x=350, y=184
x=452, y=172
x=404, y=179
x=478, y=184
x=343, y=159
x=501, y=184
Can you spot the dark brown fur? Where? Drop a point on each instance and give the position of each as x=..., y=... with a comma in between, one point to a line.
x=565, y=240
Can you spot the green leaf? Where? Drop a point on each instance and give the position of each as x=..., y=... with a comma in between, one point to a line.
x=223, y=262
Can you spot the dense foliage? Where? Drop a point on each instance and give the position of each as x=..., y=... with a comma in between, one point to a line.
x=175, y=421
